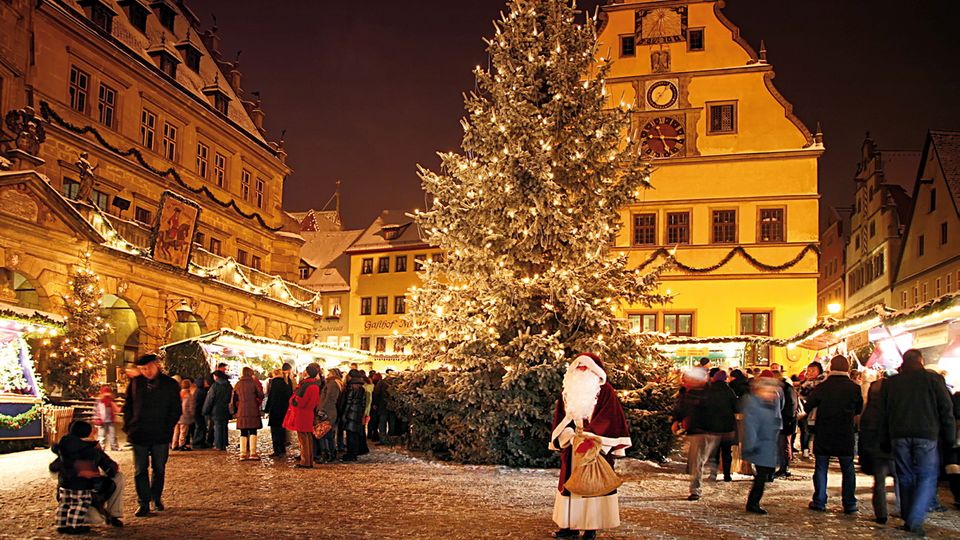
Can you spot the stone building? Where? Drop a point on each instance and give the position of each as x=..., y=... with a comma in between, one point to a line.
x=735, y=177
x=930, y=264
x=833, y=246
x=127, y=134
x=884, y=181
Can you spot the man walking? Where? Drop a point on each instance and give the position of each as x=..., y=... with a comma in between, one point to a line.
x=788, y=415
x=917, y=412
x=837, y=401
x=150, y=412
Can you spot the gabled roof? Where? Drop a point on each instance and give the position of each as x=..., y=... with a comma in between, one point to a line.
x=326, y=251
x=392, y=230
x=946, y=144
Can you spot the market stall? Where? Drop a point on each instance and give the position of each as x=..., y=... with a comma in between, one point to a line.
x=197, y=355
x=21, y=392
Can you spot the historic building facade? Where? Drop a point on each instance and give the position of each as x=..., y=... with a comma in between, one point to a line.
x=735, y=175
x=384, y=264
x=833, y=263
x=930, y=264
x=884, y=181
x=127, y=134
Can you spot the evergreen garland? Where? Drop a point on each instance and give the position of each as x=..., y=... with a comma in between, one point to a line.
x=739, y=250
x=16, y=422
x=51, y=115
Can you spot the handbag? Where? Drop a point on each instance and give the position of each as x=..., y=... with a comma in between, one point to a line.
x=290, y=418
x=321, y=424
x=591, y=475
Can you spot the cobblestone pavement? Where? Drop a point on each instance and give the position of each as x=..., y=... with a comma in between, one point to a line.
x=391, y=494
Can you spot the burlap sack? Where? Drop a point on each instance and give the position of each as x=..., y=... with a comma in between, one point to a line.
x=590, y=475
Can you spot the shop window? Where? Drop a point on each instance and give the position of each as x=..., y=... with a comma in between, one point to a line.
x=678, y=228
x=399, y=305
x=366, y=305
x=400, y=263
x=79, y=89
x=724, y=226
x=366, y=266
x=382, y=305
x=644, y=229
x=383, y=265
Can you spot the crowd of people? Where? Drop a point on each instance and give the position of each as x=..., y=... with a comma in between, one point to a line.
x=901, y=424
x=163, y=413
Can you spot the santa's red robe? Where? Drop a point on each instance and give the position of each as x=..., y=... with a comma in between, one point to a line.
x=609, y=424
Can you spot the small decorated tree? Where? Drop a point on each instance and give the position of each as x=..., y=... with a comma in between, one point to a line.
x=79, y=363
x=527, y=216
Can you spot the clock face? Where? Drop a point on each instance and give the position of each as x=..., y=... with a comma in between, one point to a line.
x=662, y=137
x=662, y=95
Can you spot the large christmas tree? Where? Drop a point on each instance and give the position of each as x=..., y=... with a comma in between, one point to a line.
x=527, y=216
x=81, y=358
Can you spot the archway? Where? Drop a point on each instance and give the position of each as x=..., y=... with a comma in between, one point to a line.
x=19, y=289
x=191, y=325
x=124, y=335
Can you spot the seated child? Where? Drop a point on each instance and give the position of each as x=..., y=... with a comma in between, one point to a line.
x=81, y=485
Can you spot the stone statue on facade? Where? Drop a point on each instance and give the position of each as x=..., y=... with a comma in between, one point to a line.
x=86, y=176
x=27, y=129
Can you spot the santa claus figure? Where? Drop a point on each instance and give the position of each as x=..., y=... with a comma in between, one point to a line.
x=590, y=403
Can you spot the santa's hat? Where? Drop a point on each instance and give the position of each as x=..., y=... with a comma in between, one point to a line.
x=592, y=362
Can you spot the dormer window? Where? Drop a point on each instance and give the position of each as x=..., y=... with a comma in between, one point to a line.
x=165, y=60
x=137, y=13
x=100, y=14
x=392, y=232
x=165, y=14
x=191, y=55
x=218, y=97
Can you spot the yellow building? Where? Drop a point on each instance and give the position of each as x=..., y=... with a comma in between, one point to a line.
x=384, y=263
x=930, y=262
x=735, y=175
x=127, y=134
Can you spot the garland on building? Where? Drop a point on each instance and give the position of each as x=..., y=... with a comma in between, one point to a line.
x=80, y=361
x=35, y=319
x=739, y=250
x=22, y=419
x=50, y=115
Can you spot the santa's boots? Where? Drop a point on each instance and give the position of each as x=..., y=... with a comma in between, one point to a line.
x=244, y=448
x=252, y=447
x=566, y=533
x=589, y=535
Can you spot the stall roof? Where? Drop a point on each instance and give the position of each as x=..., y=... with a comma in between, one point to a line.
x=227, y=336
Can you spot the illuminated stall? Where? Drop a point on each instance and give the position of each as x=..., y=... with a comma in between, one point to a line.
x=21, y=391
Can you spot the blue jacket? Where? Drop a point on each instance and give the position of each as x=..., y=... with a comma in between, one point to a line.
x=217, y=404
x=761, y=427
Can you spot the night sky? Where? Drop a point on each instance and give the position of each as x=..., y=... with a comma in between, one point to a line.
x=368, y=89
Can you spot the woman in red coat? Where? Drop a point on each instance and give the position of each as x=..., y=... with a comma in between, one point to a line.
x=305, y=400
x=247, y=397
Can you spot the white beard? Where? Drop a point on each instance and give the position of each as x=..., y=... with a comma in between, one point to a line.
x=580, y=392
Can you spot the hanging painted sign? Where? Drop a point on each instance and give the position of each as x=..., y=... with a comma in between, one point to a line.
x=174, y=230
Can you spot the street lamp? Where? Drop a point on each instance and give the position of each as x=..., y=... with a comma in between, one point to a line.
x=834, y=307
x=184, y=312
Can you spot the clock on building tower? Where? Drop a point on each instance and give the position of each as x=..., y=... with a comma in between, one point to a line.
x=662, y=137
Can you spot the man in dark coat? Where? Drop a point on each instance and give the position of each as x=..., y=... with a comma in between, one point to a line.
x=918, y=413
x=874, y=459
x=201, y=423
x=217, y=407
x=278, y=401
x=150, y=412
x=838, y=401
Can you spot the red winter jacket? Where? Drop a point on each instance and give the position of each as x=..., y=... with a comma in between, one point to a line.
x=305, y=402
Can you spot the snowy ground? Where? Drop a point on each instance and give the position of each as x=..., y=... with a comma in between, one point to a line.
x=391, y=494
